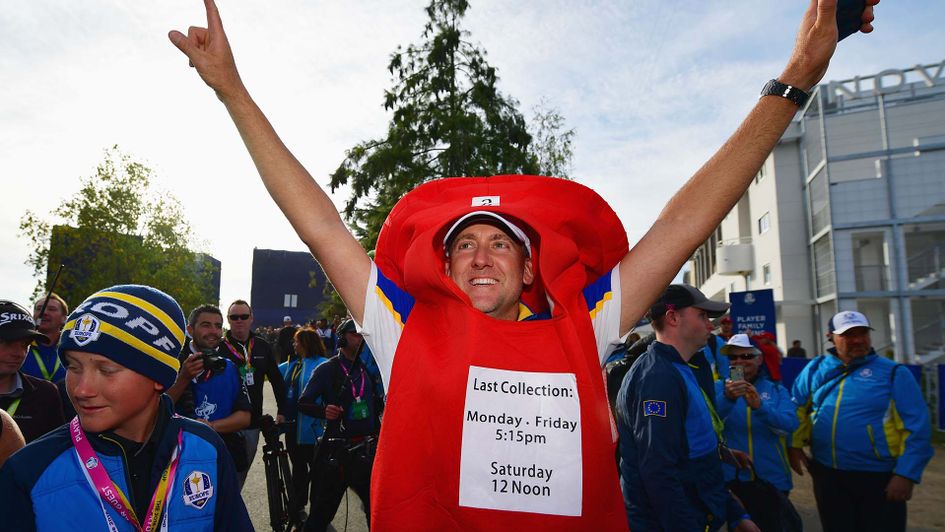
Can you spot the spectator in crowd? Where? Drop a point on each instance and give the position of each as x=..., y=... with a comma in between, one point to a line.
x=43, y=362
x=712, y=350
x=868, y=428
x=725, y=327
x=758, y=415
x=770, y=353
x=671, y=472
x=255, y=361
x=208, y=387
x=125, y=462
x=284, y=341
x=32, y=402
x=796, y=351
x=11, y=439
x=469, y=290
x=304, y=430
x=342, y=391
x=326, y=333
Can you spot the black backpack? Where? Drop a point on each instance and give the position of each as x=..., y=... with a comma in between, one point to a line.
x=768, y=507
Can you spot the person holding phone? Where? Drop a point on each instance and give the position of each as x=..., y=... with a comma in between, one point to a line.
x=758, y=415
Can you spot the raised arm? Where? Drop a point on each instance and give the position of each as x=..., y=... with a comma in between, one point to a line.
x=304, y=203
x=699, y=206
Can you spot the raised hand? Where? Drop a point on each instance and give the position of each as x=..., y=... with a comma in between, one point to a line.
x=209, y=52
x=816, y=43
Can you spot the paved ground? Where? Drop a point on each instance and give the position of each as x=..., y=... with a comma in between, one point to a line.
x=254, y=491
x=926, y=510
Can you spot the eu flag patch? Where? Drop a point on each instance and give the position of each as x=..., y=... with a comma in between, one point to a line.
x=654, y=408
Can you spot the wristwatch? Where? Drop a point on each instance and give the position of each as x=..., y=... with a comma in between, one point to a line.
x=776, y=88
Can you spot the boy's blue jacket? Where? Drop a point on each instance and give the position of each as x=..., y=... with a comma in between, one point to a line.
x=868, y=416
x=671, y=472
x=43, y=486
x=762, y=432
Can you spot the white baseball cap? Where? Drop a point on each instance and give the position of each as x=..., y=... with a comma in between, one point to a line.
x=842, y=322
x=739, y=340
x=490, y=218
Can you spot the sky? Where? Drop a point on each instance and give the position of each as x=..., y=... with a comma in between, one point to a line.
x=652, y=89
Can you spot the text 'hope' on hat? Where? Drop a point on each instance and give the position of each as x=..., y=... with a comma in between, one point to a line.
x=842, y=322
x=680, y=296
x=137, y=326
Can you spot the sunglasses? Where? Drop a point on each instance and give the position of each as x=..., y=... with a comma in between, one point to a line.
x=238, y=317
x=741, y=357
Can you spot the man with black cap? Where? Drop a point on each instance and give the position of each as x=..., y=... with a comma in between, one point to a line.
x=670, y=433
x=32, y=402
x=342, y=391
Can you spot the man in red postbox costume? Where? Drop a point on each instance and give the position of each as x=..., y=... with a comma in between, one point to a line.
x=493, y=302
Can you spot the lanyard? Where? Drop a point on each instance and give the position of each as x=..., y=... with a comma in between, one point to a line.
x=42, y=365
x=356, y=396
x=110, y=493
x=13, y=406
x=242, y=357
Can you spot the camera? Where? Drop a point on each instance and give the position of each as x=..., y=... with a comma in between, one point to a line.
x=212, y=361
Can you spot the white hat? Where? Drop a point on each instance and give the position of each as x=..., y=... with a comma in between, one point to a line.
x=286, y=318
x=469, y=218
x=739, y=340
x=842, y=322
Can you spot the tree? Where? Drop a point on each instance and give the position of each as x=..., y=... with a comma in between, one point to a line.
x=117, y=230
x=551, y=143
x=449, y=119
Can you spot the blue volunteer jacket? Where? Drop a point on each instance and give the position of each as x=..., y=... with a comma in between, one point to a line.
x=762, y=433
x=868, y=416
x=296, y=374
x=717, y=360
x=671, y=473
x=43, y=486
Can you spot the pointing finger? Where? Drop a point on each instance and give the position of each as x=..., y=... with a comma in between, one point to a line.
x=213, y=16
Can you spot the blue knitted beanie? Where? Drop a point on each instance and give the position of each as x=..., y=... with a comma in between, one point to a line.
x=137, y=326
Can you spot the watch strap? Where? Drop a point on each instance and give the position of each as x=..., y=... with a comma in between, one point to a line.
x=776, y=88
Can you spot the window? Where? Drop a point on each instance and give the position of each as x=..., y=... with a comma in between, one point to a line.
x=766, y=274
x=764, y=223
x=760, y=175
x=291, y=301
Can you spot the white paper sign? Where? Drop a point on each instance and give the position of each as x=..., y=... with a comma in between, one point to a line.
x=486, y=201
x=521, y=442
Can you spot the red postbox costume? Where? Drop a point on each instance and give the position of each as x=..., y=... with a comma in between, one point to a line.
x=494, y=424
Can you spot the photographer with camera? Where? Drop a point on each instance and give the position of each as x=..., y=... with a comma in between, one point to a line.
x=209, y=388
x=342, y=391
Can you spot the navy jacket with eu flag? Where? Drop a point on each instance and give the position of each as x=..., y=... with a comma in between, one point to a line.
x=670, y=469
x=43, y=486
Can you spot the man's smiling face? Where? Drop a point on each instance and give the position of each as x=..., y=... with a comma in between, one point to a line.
x=491, y=268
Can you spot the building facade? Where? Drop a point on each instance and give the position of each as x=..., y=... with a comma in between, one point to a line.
x=285, y=283
x=848, y=213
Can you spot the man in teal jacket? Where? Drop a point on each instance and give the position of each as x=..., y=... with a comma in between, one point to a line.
x=868, y=428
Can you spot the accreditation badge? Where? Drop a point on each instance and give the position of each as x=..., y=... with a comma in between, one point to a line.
x=359, y=410
x=248, y=378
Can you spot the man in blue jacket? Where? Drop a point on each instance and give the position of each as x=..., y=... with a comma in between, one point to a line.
x=671, y=471
x=125, y=462
x=868, y=428
x=759, y=416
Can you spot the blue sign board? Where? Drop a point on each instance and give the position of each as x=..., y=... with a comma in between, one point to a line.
x=753, y=312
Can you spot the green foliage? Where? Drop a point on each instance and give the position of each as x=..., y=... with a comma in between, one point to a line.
x=552, y=144
x=449, y=119
x=115, y=230
x=332, y=305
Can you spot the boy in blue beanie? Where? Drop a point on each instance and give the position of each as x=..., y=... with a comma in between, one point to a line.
x=125, y=462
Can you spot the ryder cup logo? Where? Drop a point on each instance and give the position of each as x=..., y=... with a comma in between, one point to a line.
x=91, y=463
x=85, y=330
x=197, y=489
x=866, y=373
x=749, y=298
